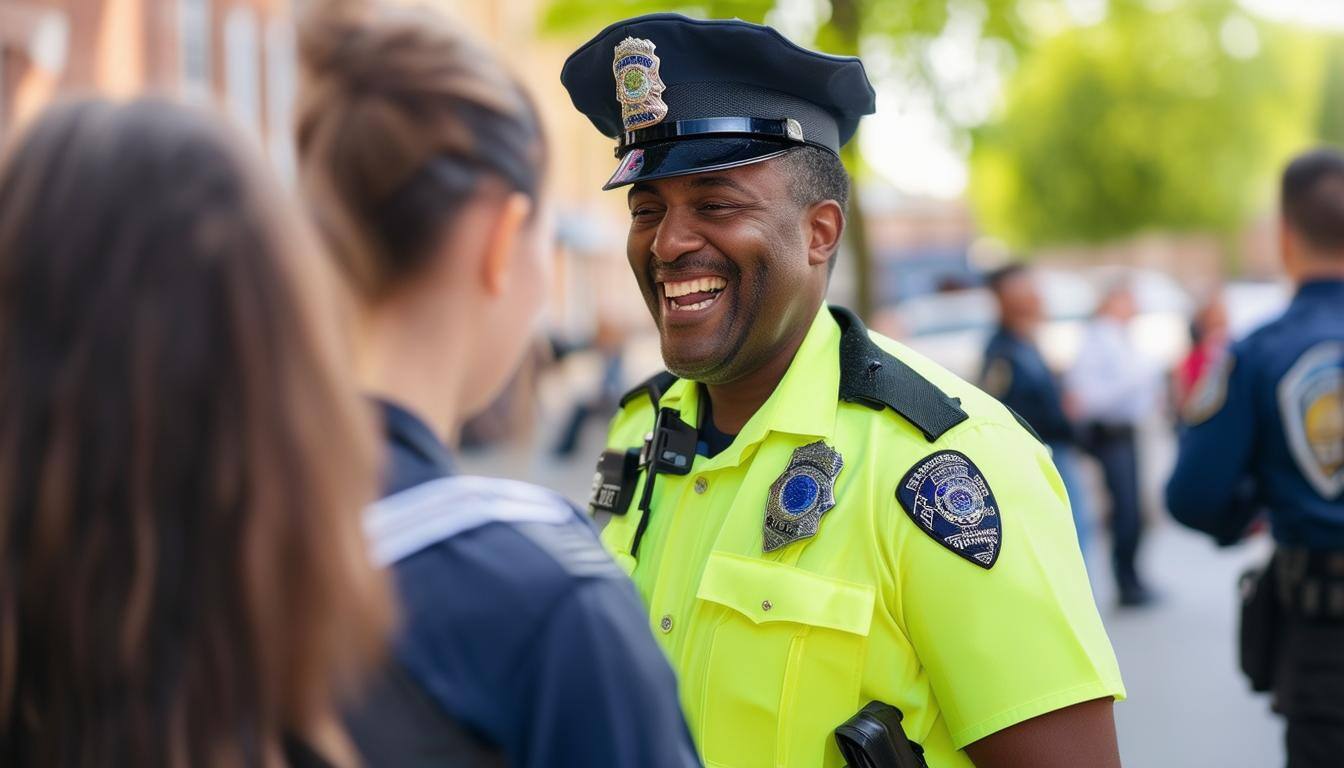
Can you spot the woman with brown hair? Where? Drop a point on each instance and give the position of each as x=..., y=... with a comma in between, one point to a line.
x=183, y=579
x=522, y=642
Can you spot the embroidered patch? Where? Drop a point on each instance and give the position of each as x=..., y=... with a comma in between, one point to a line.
x=1311, y=403
x=998, y=378
x=947, y=496
x=639, y=87
x=1210, y=392
x=799, y=497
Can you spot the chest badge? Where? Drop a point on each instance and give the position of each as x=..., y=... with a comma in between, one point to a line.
x=799, y=497
x=948, y=498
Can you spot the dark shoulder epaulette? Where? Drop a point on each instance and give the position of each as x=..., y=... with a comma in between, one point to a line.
x=871, y=376
x=654, y=387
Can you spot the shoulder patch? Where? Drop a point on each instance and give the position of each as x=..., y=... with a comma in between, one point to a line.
x=1210, y=392
x=947, y=496
x=1311, y=404
x=998, y=377
x=877, y=379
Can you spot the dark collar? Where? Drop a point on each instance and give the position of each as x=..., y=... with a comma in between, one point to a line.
x=414, y=439
x=1321, y=289
x=873, y=377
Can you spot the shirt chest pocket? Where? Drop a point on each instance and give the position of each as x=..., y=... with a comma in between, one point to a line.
x=784, y=664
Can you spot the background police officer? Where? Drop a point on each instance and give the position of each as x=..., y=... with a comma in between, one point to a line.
x=1016, y=373
x=1267, y=433
x=819, y=518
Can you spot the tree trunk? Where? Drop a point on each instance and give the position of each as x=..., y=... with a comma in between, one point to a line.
x=844, y=24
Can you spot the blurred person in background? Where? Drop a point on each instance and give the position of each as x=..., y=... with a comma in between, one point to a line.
x=609, y=343
x=183, y=581
x=522, y=642
x=822, y=520
x=1266, y=432
x=1112, y=389
x=1208, y=346
x=1015, y=372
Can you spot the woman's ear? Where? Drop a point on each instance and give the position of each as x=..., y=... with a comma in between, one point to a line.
x=502, y=237
x=825, y=223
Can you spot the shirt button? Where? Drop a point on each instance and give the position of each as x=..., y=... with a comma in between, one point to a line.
x=766, y=605
x=666, y=623
x=701, y=485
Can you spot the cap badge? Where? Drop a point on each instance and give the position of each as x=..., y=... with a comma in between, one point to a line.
x=799, y=497
x=639, y=88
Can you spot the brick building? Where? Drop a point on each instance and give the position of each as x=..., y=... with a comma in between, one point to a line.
x=239, y=52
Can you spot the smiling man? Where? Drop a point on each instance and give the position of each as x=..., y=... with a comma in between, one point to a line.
x=834, y=536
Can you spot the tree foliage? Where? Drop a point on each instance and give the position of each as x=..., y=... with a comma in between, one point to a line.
x=1154, y=119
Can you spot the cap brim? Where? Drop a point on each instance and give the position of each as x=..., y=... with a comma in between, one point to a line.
x=687, y=156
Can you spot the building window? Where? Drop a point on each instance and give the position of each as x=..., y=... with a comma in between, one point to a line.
x=193, y=53
x=242, y=75
x=280, y=87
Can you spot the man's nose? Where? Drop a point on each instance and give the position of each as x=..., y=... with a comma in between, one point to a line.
x=676, y=236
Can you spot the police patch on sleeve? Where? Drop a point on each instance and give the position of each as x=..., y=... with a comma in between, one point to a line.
x=1210, y=392
x=1311, y=403
x=947, y=496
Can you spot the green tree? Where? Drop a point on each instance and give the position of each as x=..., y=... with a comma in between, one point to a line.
x=1167, y=120
x=896, y=31
x=1330, y=126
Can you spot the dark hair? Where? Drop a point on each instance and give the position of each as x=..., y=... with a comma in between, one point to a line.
x=1313, y=198
x=401, y=117
x=817, y=175
x=183, y=578
x=998, y=277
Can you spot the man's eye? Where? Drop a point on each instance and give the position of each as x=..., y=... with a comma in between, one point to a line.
x=717, y=207
x=642, y=213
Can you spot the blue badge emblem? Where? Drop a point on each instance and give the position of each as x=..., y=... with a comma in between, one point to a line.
x=947, y=496
x=639, y=87
x=799, y=497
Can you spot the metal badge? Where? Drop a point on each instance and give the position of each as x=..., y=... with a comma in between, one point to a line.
x=948, y=498
x=800, y=496
x=639, y=87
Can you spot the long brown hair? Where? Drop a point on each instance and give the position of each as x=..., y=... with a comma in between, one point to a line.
x=401, y=116
x=183, y=579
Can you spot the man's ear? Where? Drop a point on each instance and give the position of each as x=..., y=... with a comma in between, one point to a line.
x=1290, y=249
x=825, y=224
x=502, y=239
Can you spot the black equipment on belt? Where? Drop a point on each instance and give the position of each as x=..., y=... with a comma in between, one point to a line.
x=874, y=738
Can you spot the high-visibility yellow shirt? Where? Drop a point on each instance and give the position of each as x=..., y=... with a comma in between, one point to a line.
x=775, y=649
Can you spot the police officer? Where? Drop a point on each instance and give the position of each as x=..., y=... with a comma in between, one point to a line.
x=818, y=517
x=1265, y=432
x=521, y=642
x=1015, y=372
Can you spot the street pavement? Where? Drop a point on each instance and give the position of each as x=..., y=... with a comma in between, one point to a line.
x=1188, y=706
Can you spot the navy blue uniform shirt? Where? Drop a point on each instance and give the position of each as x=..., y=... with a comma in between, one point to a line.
x=529, y=635
x=1016, y=374
x=1265, y=431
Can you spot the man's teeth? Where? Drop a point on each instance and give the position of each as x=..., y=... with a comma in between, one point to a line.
x=696, y=305
x=673, y=290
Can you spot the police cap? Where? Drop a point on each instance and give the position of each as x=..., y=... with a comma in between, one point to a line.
x=684, y=95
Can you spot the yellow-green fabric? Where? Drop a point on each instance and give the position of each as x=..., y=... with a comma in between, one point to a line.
x=774, y=650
